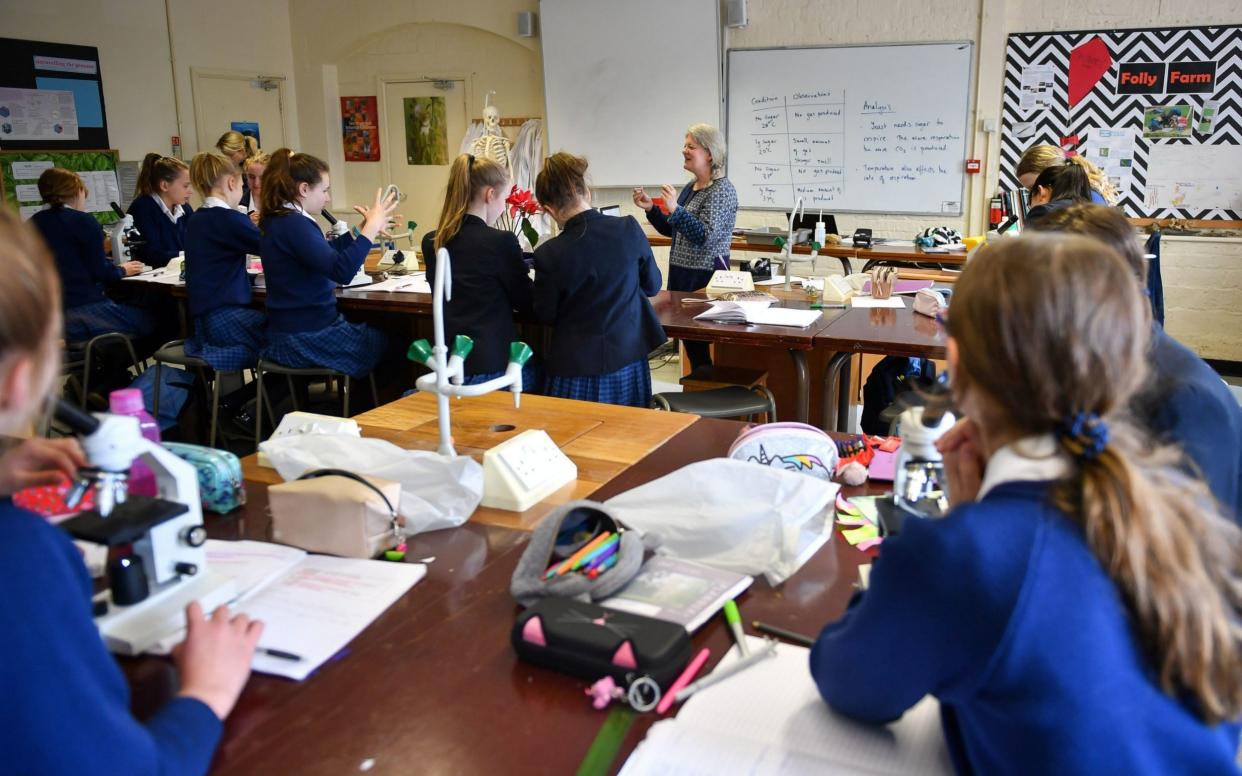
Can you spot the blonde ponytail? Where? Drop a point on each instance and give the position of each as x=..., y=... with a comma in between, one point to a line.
x=1098, y=178
x=468, y=175
x=1040, y=157
x=207, y=170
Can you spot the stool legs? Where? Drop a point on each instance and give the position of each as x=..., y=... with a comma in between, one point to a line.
x=258, y=408
x=159, y=379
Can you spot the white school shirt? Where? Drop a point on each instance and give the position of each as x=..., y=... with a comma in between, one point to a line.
x=173, y=214
x=1037, y=458
x=216, y=202
x=298, y=208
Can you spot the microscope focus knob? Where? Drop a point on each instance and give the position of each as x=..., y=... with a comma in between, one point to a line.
x=195, y=536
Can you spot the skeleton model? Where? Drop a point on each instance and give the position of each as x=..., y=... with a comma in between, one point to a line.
x=493, y=144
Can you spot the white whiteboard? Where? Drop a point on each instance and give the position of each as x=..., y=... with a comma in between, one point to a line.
x=1194, y=177
x=850, y=128
x=623, y=80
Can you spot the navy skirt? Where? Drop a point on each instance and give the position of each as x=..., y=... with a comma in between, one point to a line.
x=91, y=320
x=228, y=338
x=352, y=348
x=629, y=386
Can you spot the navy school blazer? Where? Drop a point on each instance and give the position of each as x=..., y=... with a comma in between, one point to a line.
x=592, y=283
x=489, y=283
x=163, y=238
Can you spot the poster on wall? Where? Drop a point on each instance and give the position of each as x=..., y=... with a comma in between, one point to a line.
x=426, y=131
x=35, y=114
x=247, y=128
x=1168, y=121
x=360, y=129
x=1112, y=150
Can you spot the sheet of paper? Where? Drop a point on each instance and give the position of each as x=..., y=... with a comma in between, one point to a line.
x=769, y=719
x=318, y=607
x=26, y=211
x=864, y=576
x=1112, y=150
x=28, y=192
x=37, y=114
x=779, y=280
x=871, y=301
x=1036, y=88
x=29, y=171
x=409, y=284
x=102, y=189
x=251, y=564
x=158, y=276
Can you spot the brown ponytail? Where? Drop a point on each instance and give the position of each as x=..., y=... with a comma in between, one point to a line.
x=58, y=186
x=207, y=170
x=156, y=169
x=30, y=293
x=1065, y=181
x=562, y=180
x=1072, y=302
x=467, y=177
x=285, y=170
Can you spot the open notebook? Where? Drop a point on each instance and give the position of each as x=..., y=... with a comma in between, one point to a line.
x=769, y=719
x=758, y=313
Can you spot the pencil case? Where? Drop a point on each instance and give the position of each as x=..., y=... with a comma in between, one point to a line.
x=558, y=536
x=590, y=642
x=798, y=447
x=219, y=475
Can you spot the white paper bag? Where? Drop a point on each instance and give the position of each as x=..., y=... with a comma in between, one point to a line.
x=732, y=515
x=436, y=492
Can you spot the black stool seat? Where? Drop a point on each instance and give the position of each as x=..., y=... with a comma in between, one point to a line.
x=174, y=353
x=728, y=402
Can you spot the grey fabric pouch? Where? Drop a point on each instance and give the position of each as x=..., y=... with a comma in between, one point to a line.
x=557, y=537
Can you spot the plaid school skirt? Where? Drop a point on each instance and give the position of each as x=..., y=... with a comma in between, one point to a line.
x=532, y=378
x=630, y=386
x=91, y=320
x=228, y=338
x=352, y=348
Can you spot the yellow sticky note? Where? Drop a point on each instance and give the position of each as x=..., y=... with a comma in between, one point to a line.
x=856, y=536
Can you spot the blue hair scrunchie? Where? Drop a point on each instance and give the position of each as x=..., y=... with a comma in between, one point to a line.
x=1087, y=435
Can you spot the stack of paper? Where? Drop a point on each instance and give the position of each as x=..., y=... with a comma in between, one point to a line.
x=769, y=719
x=412, y=284
x=758, y=313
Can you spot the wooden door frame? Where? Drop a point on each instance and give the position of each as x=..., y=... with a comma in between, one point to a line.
x=382, y=82
x=282, y=82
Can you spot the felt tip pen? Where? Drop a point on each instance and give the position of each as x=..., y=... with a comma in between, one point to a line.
x=724, y=672
x=278, y=653
x=679, y=684
x=601, y=568
x=582, y=552
x=734, y=619
x=600, y=552
x=818, y=306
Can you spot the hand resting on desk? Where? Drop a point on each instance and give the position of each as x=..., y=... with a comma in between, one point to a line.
x=214, y=660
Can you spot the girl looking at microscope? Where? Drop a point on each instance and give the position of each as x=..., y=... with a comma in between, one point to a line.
x=162, y=208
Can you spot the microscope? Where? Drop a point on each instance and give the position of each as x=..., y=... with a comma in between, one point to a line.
x=158, y=564
x=125, y=237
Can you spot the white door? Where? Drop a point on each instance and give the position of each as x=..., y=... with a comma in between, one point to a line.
x=221, y=99
x=424, y=123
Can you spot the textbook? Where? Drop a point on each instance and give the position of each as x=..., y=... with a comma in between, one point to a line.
x=770, y=719
x=758, y=313
x=678, y=591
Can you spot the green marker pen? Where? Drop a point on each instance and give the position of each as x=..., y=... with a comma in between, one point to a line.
x=734, y=619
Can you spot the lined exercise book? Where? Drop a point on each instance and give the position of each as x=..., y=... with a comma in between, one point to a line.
x=769, y=719
x=758, y=313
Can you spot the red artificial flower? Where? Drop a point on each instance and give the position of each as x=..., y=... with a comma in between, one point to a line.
x=521, y=201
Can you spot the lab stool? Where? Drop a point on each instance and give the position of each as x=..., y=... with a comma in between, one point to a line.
x=731, y=401
x=271, y=367
x=78, y=357
x=714, y=376
x=174, y=353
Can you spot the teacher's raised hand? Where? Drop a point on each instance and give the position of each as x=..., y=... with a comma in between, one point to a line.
x=670, y=197
x=641, y=199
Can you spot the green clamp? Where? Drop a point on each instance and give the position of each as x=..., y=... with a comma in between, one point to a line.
x=420, y=351
x=412, y=225
x=780, y=242
x=816, y=246
x=519, y=353
x=462, y=345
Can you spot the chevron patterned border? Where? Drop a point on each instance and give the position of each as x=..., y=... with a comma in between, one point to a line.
x=1103, y=108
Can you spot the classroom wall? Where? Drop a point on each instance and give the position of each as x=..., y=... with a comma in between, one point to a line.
x=344, y=48
x=133, y=41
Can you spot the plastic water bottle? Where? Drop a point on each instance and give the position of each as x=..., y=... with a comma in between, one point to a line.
x=128, y=401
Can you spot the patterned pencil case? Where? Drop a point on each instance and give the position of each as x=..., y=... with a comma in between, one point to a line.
x=589, y=641
x=797, y=447
x=219, y=475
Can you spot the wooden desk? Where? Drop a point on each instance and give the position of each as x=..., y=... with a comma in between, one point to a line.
x=678, y=321
x=873, y=330
x=894, y=254
x=603, y=440
x=433, y=685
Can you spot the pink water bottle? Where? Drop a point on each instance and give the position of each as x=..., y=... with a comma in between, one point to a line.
x=128, y=401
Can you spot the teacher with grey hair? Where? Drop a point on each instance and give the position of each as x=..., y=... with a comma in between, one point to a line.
x=700, y=220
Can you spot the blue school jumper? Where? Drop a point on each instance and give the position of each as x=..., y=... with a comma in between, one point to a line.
x=163, y=238
x=66, y=703
x=490, y=282
x=228, y=334
x=1002, y=612
x=302, y=271
x=592, y=283
x=77, y=243
x=1187, y=404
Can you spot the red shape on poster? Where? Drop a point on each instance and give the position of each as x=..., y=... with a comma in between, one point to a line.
x=1087, y=65
x=1068, y=144
x=360, y=129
